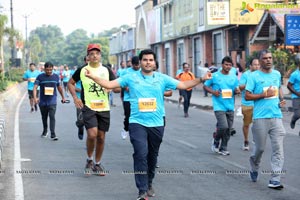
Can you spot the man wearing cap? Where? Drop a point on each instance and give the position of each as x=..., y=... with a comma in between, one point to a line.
x=95, y=107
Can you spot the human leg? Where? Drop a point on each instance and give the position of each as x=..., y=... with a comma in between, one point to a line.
x=277, y=134
x=52, y=111
x=44, y=114
x=296, y=115
x=260, y=130
x=138, y=138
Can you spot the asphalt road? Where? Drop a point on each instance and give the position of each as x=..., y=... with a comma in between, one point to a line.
x=188, y=169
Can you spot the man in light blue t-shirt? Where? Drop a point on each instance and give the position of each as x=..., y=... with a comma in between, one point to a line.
x=223, y=86
x=146, y=124
x=30, y=76
x=247, y=106
x=294, y=87
x=264, y=88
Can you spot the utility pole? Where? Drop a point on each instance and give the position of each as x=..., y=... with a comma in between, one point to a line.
x=26, y=40
x=12, y=27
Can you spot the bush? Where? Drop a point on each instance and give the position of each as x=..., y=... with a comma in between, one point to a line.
x=13, y=75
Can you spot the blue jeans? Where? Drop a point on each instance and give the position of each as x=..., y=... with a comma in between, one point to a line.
x=261, y=128
x=146, y=142
x=45, y=111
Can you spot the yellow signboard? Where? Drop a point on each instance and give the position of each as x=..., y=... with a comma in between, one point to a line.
x=245, y=12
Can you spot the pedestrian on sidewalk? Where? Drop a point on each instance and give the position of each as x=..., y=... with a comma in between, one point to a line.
x=247, y=106
x=294, y=86
x=49, y=84
x=95, y=107
x=146, y=126
x=264, y=88
x=223, y=86
x=186, y=75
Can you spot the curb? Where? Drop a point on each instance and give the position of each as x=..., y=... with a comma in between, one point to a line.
x=8, y=99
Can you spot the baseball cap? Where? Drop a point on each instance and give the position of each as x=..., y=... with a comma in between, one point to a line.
x=93, y=47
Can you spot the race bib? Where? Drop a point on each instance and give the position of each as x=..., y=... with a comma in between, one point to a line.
x=97, y=104
x=274, y=88
x=147, y=104
x=49, y=91
x=31, y=80
x=226, y=93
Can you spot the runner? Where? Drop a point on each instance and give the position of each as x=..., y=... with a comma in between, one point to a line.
x=264, y=88
x=247, y=106
x=49, y=84
x=146, y=124
x=30, y=76
x=223, y=86
x=95, y=107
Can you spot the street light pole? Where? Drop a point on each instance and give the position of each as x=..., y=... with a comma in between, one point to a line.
x=12, y=27
x=26, y=40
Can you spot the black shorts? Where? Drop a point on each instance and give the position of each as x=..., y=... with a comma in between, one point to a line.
x=65, y=84
x=93, y=119
x=30, y=94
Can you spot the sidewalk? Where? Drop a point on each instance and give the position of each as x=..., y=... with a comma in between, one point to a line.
x=199, y=101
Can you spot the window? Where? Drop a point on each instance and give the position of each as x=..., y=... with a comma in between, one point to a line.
x=170, y=13
x=165, y=15
x=217, y=39
x=167, y=58
x=201, y=12
x=180, y=55
x=154, y=3
x=197, y=55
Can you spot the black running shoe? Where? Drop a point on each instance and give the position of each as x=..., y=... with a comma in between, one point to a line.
x=80, y=133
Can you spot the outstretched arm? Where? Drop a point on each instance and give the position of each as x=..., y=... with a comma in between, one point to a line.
x=104, y=83
x=189, y=84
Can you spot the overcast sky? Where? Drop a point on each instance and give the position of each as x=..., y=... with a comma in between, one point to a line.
x=92, y=15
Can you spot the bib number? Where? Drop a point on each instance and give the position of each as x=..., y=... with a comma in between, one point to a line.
x=274, y=88
x=147, y=104
x=226, y=93
x=49, y=91
x=97, y=104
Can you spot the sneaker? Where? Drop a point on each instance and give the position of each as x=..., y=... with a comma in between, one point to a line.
x=142, y=196
x=186, y=115
x=253, y=176
x=89, y=167
x=99, y=170
x=150, y=192
x=292, y=124
x=32, y=109
x=224, y=152
x=54, y=138
x=232, y=132
x=246, y=146
x=124, y=134
x=275, y=185
x=44, y=134
x=215, y=146
x=80, y=133
x=35, y=107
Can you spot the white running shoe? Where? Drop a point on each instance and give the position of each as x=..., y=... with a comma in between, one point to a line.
x=124, y=134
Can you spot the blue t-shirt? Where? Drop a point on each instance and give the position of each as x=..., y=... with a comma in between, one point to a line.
x=226, y=85
x=120, y=72
x=31, y=76
x=243, y=81
x=295, y=81
x=48, y=88
x=129, y=70
x=147, y=97
x=258, y=82
x=78, y=86
x=66, y=75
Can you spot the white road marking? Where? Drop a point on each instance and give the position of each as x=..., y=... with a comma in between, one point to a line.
x=19, y=192
x=187, y=144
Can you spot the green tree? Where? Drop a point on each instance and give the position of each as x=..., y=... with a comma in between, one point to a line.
x=75, y=50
